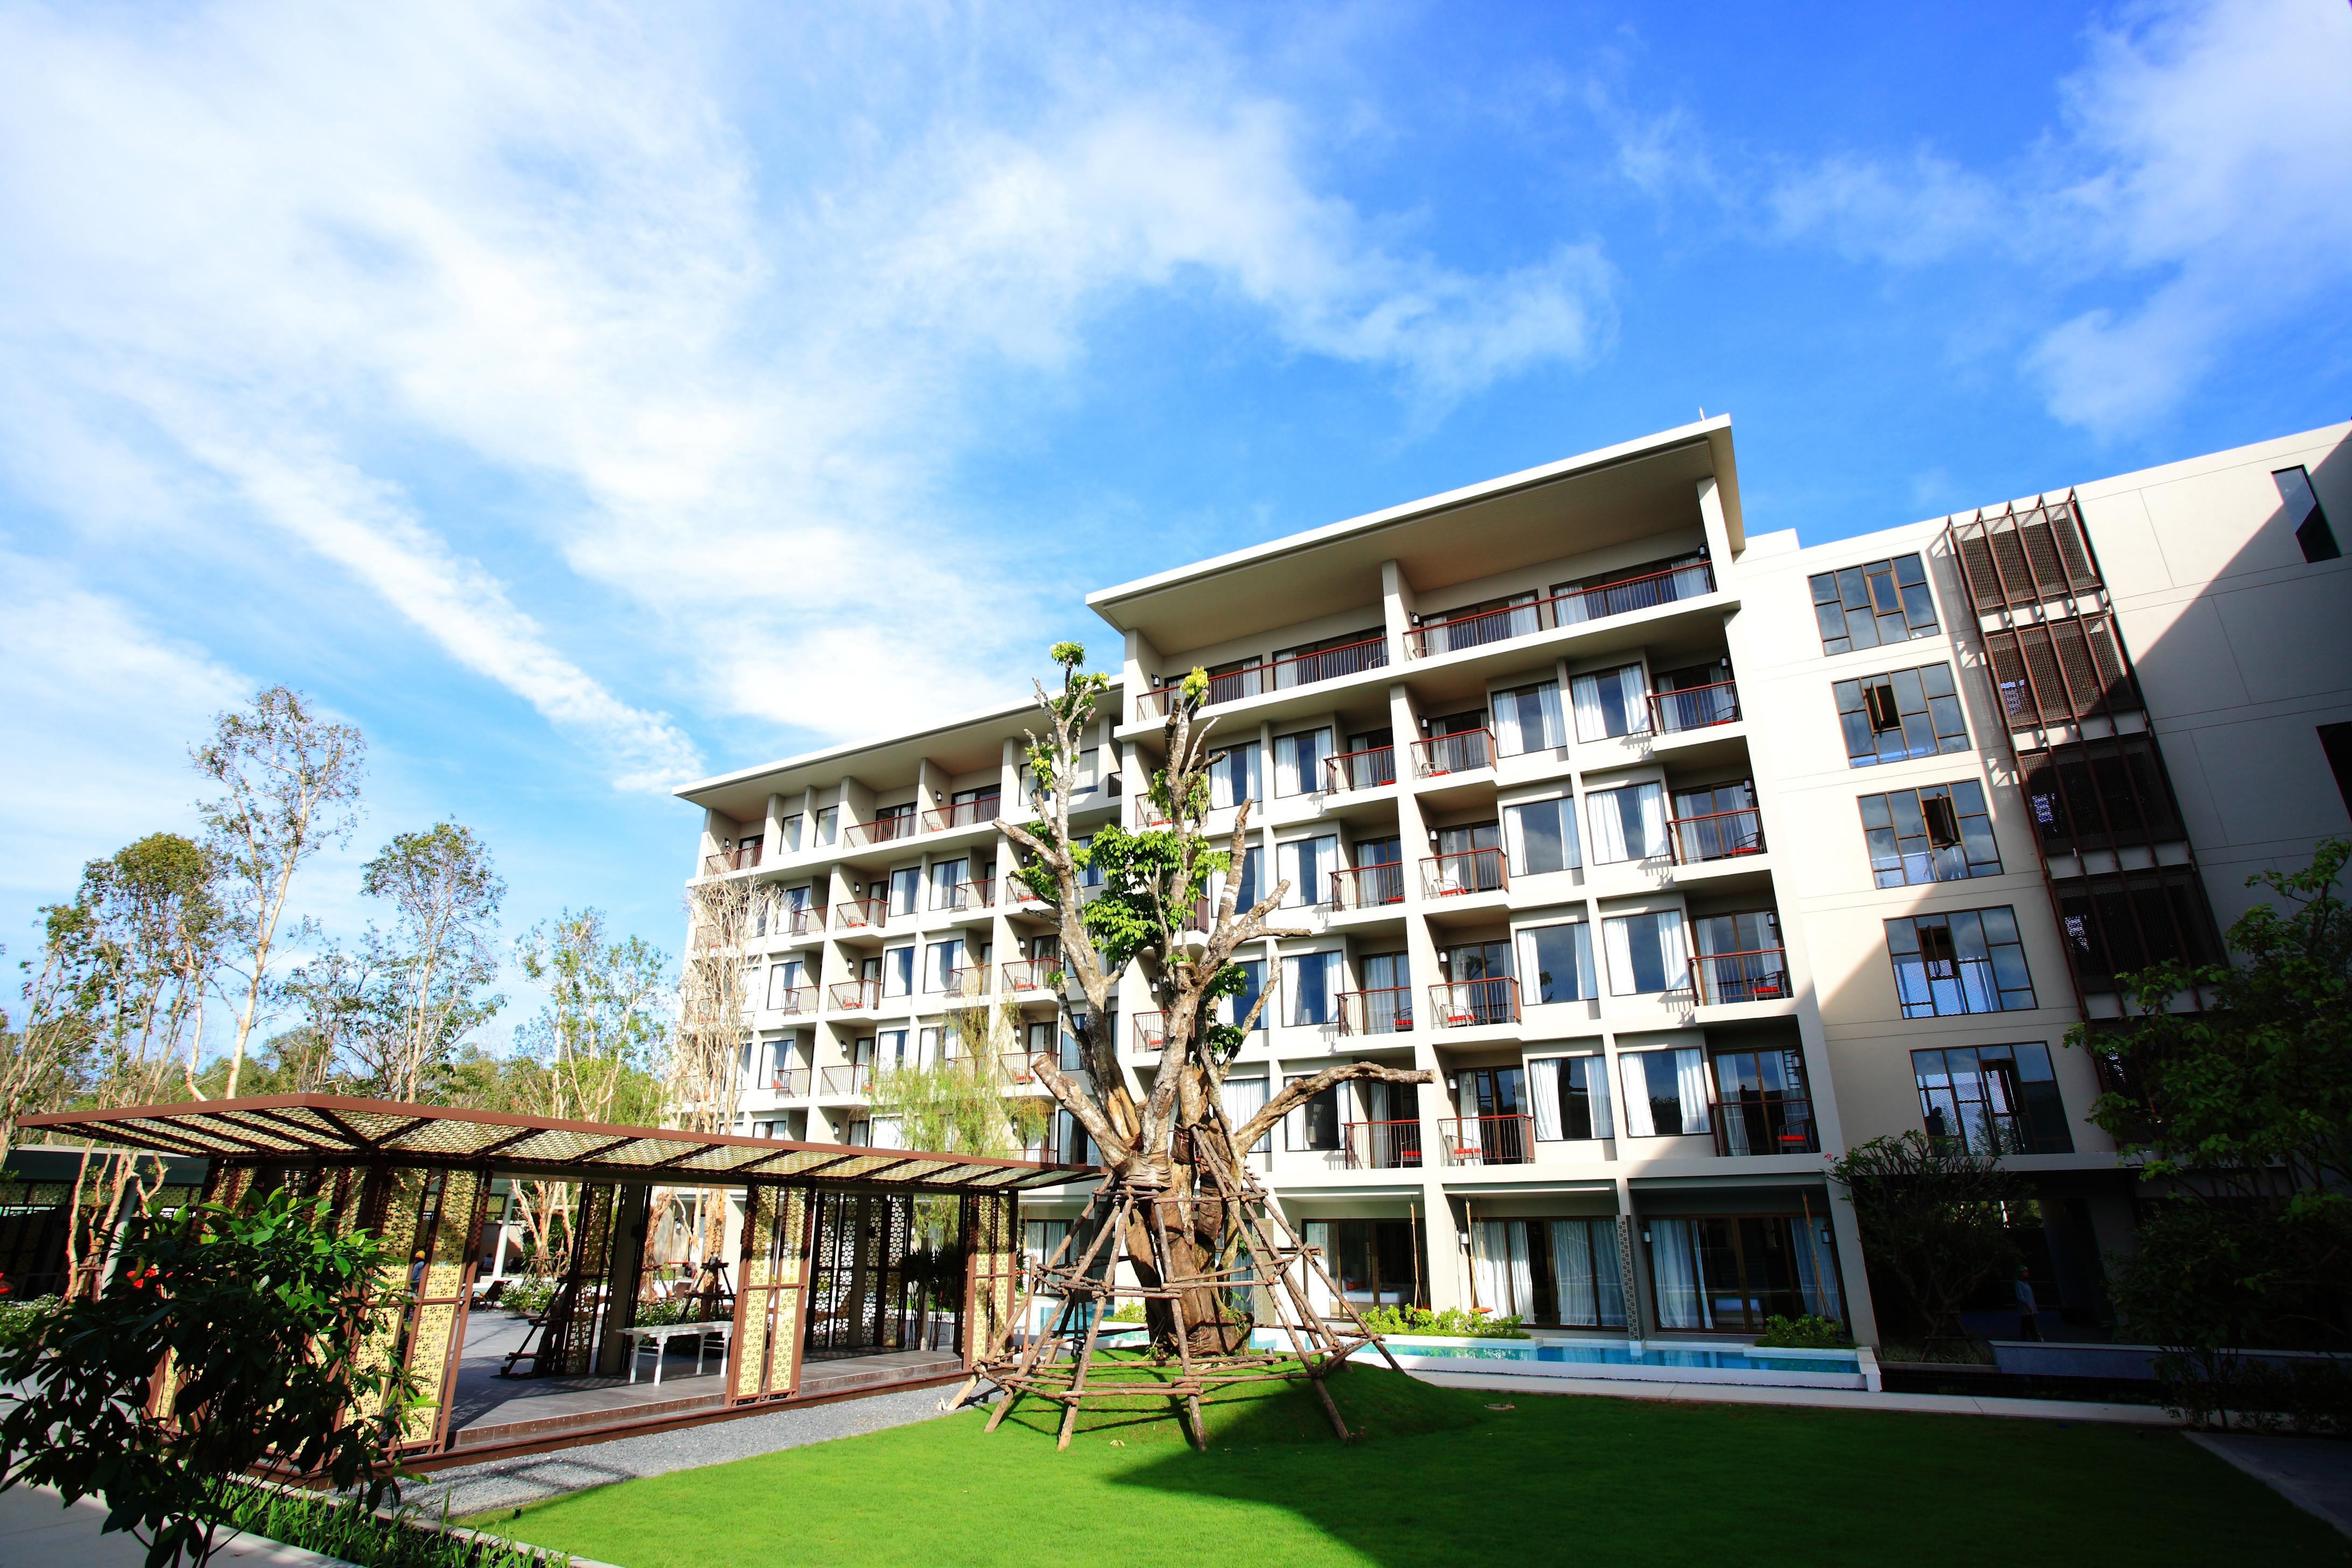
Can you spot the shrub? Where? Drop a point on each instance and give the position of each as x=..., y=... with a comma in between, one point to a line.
x=346, y=1527
x=1453, y=1322
x=527, y=1298
x=21, y=1322
x=1804, y=1333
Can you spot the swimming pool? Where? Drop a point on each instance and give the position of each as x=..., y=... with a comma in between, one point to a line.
x=1620, y=1359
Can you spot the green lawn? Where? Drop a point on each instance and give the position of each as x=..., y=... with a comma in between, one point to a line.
x=1442, y=1478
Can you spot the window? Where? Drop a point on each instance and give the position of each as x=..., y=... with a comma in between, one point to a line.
x=2335, y=741
x=1628, y=824
x=1740, y=959
x=1493, y=1128
x=1244, y=1098
x=1250, y=886
x=1474, y=626
x=1234, y=1008
x=1939, y=834
x=1541, y=835
x=1665, y=1092
x=1993, y=1100
x=783, y=979
x=1556, y=964
x=941, y=960
x=1570, y=1098
x=828, y=825
x=1375, y=1262
x=2117, y=925
x=2100, y=793
x=1313, y=980
x=1763, y=1104
x=1388, y=995
x=1970, y=961
x=1298, y=761
x=890, y=1050
x=1715, y=822
x=2311, y=530
x=898, y=970
x=1479, y=982
x=1307, y=864
x=933, y=1045
x=1529, y=719
x=1727, y=1274
x=1647, y=952
x=1883, y=602
x=1611, y=702
x=1903, y=713
x=948, y=878
x=1469, y=859
x=906, y=882
x=789, y=830
x=1314, y=1124
x=1233, y=776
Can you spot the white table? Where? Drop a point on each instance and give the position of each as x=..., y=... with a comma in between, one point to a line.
x=657, y=1338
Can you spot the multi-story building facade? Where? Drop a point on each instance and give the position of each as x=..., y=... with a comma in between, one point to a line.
x=1686, y=859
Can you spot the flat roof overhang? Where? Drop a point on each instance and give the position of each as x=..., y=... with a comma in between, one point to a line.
x=1588, y=502
x=341, y=1129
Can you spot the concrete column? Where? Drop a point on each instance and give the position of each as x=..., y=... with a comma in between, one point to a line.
x=1862, y=1313
x=1399, y=603
x=1719, y=533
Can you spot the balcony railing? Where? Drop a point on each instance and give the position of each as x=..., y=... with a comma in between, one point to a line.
x=1695, y=708
x=963, y=895
x=964, y=813
x=796, y=999
x=1366, y=769
x=1762, y=976
x=1489, y=1140
x=1464, y=871
x=804, y=920
x=1368, y=886
x=964, y=980
x=884, y=829
x=856, y=1078
x=1275, y=675
x=742, y=858
x=853, y=914
x=1026, y=973
x=1766, y=1124
x=1383, y=1145
x=1151, y=1031
x=1573, y=607
x=1467, y=1003
x=1464, y=752
x=1715, y=836
x=866, y=994
x=793, y=1082
x=1384, y=1012
x=1016, y=1065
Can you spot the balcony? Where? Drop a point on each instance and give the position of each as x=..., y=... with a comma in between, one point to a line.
x=1464, y=752
x=1368, y=886
x=1464, y=871
x=889, y=827
x=804, y=920
x=860, y=995
x=1383, y=1012
x=1027, y=975
x=856, y=914
x=1468, y=1004
x=965, y=813
x=1017, y=1065
x=963, y=895
x=1721, y=978
x=964, y=980
x=792, y=1082
x=1574, y=607
x=742, y=858
x=1763, y=1123
x=1383, y=1145
x=1715, y=836
x=1367, y=769
x=1274, y=675
x=856, y=1078
x=1695, y=708
x=796, y=999
x=1151, y=1031
x=1489, y=1140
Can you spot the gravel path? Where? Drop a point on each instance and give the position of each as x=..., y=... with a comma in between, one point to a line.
x=509, y=1483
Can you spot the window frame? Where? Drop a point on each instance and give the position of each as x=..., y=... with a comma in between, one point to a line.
x=1937, y=726
x=1835, y=591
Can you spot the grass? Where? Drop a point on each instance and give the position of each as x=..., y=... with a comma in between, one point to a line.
x=1444, y=1478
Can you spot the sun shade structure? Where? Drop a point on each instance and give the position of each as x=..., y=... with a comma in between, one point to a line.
x=823, y=1259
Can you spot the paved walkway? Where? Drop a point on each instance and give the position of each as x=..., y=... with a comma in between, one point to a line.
x=1821, y=1398
x=38, y=1531
x=2313, y=1473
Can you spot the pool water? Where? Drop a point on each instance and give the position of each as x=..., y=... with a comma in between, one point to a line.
x=1621, y=1356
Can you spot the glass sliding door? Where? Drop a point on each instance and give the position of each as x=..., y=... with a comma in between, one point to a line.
x=1727, y=1274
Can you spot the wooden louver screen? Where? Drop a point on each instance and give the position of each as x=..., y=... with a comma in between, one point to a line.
x=764, y=1359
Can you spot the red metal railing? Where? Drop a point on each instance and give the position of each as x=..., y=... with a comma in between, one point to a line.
x=798, y=999
x=1017, y=1065
x=865, y=993
x=965, y=813
x=884, y=829
x=742, y=858
x=790, y=1081
x=1388, y=1011
x=1382, y=1146
x=856, y=1078
x=1151, y=1031
x=964, y=980
x=963, y=894
x=1695, y=708
x=1465, y=1003
x=1367, y=769
x=1577, y=605
x=1464, y=750
x=1275, y=675
x=804, y=920
x=1765, y=1123
x=851, y=914
x=1762, y=976
x=1368, y=886
x=1715, y=836
x=1464, y=871
x=1489, y=1140
x=1025, y=973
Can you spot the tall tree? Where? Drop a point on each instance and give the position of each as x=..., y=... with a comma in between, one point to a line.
x=290, y=785
x=706, y=1067
x=435, y=965
x=48, y=1052
x=1151, y=912
x=335, y=996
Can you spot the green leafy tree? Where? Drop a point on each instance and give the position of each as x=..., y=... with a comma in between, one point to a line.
x=429, y=976
x=47, y=1053
x=1934, y=1221
x=258, y=1318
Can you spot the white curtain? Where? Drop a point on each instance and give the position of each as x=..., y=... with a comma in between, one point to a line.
x=1584, y=692
x=1608, y=1274
x=1593, y=1072
x=1690, y=1084
x=1233, y=777
x=1318, y=1237
x=1523, y=1282
x=1617, y=936
x=1555, y=725
x=1635, y=1068
x=1307, y=864
x=1636, y=699
x=1571, y=1272
x=886, y=1134
x=1469, y=1122
x=1543, y=1088
x=1674, y=949
x=1498, y=1262
x=1674, y=1262
x=1816, y=1269
x=1298, y=761
x=1608, y=825
x=1507, y=741
x=1244, y=1098
x=1653, y=798
x=1308, y=977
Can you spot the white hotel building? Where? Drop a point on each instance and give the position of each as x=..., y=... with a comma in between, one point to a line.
x=1685, y=857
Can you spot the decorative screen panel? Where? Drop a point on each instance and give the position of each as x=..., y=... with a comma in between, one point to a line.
x=992, y=1231
x=769, y=1308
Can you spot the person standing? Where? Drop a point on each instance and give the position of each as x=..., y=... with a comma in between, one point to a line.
x=2029, y=1311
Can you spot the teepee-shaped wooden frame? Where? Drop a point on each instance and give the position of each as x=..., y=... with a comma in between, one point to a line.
x=1261, y=1255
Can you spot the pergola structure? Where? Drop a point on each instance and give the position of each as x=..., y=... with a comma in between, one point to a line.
x=418, y=1177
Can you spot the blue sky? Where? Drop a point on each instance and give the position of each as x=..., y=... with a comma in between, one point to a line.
x=581, y=399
